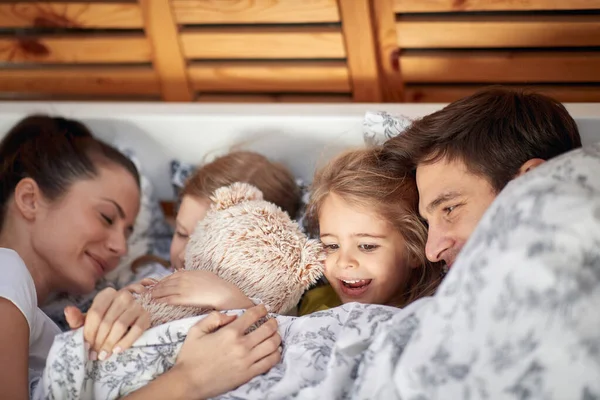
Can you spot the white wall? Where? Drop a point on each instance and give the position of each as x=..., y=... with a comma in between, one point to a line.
x=301, y=136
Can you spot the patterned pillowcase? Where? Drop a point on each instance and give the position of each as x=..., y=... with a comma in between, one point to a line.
x=517, y=316
x=381, y=126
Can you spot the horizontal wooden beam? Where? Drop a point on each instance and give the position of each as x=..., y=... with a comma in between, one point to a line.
x=81, y=81
x=324, y=77
x=424, y=6
x=500, y=67
x=76, y=49
x=268, y=43
x=274, y=98
x=446, y=94
x=83, y=14
x=495, y=32
x=255, y=11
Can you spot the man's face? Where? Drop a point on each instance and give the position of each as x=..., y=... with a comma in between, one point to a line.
x=452, y=200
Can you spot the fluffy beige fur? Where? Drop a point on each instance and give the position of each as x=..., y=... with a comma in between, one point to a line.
x=253, y=244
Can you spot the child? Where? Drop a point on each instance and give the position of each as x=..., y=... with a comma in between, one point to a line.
x=201, y=288
x=375, y=241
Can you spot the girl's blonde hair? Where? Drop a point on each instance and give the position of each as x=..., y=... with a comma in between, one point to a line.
x=359, y=177
x=274, y=180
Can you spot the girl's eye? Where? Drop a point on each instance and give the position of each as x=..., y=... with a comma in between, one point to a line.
x=368, y=247
x=107, y=219
x=181, y=235
x=330, y=247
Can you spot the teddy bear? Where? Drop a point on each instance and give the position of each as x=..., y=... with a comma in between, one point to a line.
x=252, y=244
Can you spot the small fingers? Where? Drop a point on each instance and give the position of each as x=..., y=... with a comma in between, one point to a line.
x=137, y=329
x=250, y=317
x=96, y=313
x=266, y=348
x=262, y=333
x=119, y=329
x=74, y=317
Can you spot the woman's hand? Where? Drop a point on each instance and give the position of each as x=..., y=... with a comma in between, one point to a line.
x=200, y=289
x=217, y=355
x=112, y=324
x=141, y=286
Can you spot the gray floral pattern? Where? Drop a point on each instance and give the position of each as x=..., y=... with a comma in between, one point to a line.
x=515, y=318
x=381, y=126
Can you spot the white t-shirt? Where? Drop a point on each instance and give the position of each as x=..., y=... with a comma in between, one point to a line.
x=16, y=285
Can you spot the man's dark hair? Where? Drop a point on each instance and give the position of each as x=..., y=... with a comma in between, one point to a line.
x=494, y=132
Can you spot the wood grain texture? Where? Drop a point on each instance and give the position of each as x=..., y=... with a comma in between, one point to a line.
x=324, y=77
x=168, y=57
x=76, y=49
x=359, y=37
x=255, y=11
x=500, y=67
x=274, y=98
x=267, y=43
x=387, y=51
x=497, y=32
x=447, y=94
x=424, y=6
x=81, y=81
x=50, y=14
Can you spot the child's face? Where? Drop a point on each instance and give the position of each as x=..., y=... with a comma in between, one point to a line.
x=191, y=211
x=366, y=259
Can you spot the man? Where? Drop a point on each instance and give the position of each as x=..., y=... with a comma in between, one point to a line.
x=464, y=155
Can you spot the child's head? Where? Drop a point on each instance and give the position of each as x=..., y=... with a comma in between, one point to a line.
x=374, y=239
x=274, y=180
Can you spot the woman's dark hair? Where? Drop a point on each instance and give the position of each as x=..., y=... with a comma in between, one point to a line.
x=55, y=152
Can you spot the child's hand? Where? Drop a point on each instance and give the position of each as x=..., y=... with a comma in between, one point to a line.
x=141, y=286
x=200, y=289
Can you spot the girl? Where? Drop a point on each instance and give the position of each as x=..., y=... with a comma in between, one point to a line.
x=375, y=241
x=67, y=206
x=204, y=289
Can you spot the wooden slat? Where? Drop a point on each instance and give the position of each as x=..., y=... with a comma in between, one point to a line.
x=269, y=43
x=479, y=31
x=516, y=67
x=81, y=81
x=255, y=11
x=92, y=49
x=359, y=37
x=167, y=54
x=424, y=6
x=70, y=15
x=326, y=77
x=390, y=77
x=274, y=98
x=447, y=94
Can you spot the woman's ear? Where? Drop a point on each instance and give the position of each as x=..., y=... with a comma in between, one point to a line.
x=27, y=198
x=529, y=165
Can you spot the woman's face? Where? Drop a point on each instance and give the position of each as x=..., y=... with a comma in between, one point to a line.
x=191, y=211
x=82, y=235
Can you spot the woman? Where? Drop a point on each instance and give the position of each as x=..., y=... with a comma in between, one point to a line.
x=67, y=205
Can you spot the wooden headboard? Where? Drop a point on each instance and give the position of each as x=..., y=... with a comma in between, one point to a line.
x=297, y=50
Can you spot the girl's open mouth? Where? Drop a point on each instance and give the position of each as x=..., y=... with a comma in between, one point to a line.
x=355, y=288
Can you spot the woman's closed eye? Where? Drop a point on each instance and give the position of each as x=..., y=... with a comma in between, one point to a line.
x=182, y=235
x=107, y=219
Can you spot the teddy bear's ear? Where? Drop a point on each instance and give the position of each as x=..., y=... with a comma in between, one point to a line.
x=312, y=262
x=236, y=193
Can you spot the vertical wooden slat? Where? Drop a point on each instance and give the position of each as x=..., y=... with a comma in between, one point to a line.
x=167, y=55
x=360, y=49
x=392, y=86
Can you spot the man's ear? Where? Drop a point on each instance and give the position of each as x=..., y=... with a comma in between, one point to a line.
x=529, y=165
x=27, y=198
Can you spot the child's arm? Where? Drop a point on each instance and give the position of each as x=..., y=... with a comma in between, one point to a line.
x=200, y=289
